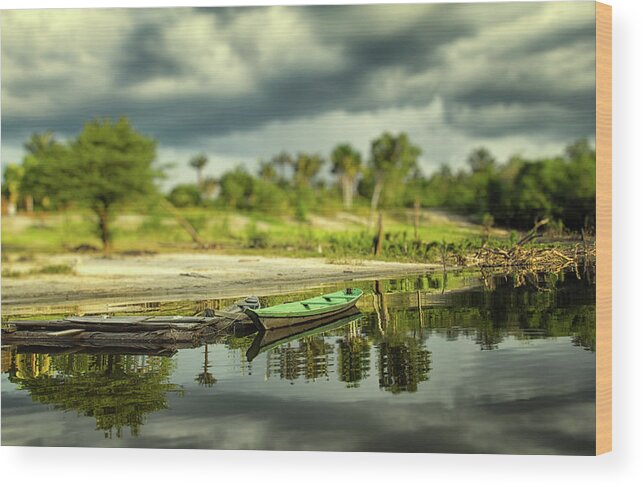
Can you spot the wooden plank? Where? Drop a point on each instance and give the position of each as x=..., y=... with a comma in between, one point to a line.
x=131, y=320
x=104, y=320
x=97, y=337
x=106, y=327
x=65, y=333
x=603, y=228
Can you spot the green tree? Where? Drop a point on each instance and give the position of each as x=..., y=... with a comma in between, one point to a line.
x=580, y=193
x=268, y=197
x=113, y=164
x=519, y=192
x=198, y=163
x=47, y=165
x=306, y=168
x=107, y=165
x=347, y=163
x=392, y=159
x=483, y=166
x=437, y=188
x=11, y=183
x=480, y=159
x=282, y=161
x=237, y=188
x=267, y=171
x=184, y=195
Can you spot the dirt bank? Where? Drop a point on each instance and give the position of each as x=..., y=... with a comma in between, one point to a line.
x=183, y=276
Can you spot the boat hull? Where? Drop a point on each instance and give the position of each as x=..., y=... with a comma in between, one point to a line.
x=267, y=319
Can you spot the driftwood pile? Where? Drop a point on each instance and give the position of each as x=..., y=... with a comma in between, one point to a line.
x=526, y=263
x=548, y=260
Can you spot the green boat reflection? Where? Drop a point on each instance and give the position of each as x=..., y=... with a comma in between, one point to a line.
x=268, y=339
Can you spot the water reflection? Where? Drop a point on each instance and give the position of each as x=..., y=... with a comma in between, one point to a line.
x=406, y=331
x=310, y=359
x=118, y=391
x=205, y=378
x=353, y=355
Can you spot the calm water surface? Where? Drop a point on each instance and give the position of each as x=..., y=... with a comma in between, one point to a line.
x=496, y=369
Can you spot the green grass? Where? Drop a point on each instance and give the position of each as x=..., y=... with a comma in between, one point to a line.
x=331, y=236
x=55, y=269
x=48, y=269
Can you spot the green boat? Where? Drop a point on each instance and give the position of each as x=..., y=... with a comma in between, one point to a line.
x=299, y=312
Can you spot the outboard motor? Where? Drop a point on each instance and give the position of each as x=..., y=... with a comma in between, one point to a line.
x=251, y=302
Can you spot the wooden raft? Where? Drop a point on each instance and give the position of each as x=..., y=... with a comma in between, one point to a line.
x=124, y=330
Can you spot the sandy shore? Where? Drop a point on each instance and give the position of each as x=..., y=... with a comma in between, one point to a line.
x=185, y=276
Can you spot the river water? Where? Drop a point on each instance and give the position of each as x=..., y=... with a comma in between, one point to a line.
x=434, y=363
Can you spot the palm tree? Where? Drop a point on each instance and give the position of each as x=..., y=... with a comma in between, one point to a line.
x=267, y=171
x=40, y=142
x=307, y=166
x=198, y=163
x=392, y=158
x=282, y=161
x=347, y=164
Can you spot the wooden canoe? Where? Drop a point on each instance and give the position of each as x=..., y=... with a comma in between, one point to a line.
x=300, y=312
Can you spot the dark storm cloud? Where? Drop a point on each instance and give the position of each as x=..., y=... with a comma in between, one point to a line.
x=371, y=44
x=143, y=59
x=185, y=74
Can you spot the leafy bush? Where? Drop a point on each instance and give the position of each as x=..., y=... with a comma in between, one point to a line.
x=184, y=195
x=255, y=238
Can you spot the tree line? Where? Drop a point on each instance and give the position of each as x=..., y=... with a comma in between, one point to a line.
x=300, y=181
x=110, y=164
x=514, y=194
x=520, y=191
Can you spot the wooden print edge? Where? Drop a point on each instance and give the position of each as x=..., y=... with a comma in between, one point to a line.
x=603, y=228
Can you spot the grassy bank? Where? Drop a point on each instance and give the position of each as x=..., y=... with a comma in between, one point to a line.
x=338, y=236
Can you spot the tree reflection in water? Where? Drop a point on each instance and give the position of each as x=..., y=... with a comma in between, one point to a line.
x=387, y=347
x=354, y=356
x=398, y=319
x=308, y=359
x=205, y=378
x=402, y=357
x=403, y=360
x=403, y=366
x=119, y=391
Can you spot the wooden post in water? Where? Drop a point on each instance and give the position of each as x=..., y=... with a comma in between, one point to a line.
x=416, y=222
x=380, y=235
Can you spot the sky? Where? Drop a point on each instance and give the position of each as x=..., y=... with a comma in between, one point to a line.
x=241, y=84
